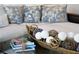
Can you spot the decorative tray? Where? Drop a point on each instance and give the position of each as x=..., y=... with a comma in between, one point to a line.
x=57, y=49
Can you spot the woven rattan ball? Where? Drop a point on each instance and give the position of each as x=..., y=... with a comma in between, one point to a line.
x=69, y=44
x=53, y=33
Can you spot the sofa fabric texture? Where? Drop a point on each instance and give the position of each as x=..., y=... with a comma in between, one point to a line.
x=60, y=27
x=3, y=20
x=12, y=31
x=2, y=10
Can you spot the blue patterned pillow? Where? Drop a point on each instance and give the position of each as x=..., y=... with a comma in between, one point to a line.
x=54, y=13
x=32, y=13
x=14, y=13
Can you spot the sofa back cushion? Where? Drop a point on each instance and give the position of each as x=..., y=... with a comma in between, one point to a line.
x=3, y=20
x=54, y=13
x=32, y=13
x=2, y=10
x=15, y=13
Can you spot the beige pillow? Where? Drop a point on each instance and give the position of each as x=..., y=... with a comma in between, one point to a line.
x=3, y=20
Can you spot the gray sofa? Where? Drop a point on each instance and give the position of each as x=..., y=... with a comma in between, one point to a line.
x=46, y=17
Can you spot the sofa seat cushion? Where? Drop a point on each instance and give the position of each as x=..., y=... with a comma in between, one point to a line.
x=66, y=26
x=12, y=31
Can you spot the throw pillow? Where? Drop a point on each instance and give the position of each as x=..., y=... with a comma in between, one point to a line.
x=32, y=13
x=15, y=13
x=54, y=13
x=3, y=20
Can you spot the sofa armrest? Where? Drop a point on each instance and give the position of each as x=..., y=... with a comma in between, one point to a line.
x=74, y=18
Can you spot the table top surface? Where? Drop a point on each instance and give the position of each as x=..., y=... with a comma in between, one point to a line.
x=38, y=50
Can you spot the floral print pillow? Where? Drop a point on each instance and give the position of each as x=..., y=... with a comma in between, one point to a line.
x=32, y=13
x=15, y=14
x=54, y=13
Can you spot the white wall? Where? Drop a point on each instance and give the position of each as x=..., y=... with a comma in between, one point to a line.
x=73, y=8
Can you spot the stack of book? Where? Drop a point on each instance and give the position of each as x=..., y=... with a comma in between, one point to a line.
x=19, y=46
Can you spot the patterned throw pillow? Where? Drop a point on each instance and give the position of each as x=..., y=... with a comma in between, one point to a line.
x=54, y=13
x=14, y=13
x=32, y=13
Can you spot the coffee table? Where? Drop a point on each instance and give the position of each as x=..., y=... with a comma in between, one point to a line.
x=38, y=50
